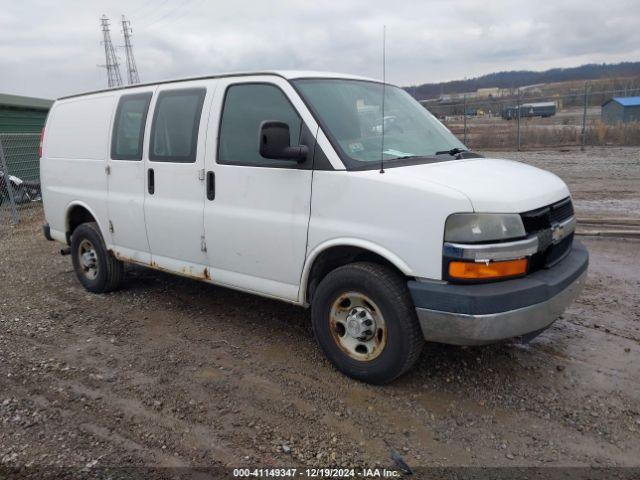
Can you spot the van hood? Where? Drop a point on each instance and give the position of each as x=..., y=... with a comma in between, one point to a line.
x=491, y=185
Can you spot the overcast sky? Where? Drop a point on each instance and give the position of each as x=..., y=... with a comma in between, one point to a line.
x=51, y=48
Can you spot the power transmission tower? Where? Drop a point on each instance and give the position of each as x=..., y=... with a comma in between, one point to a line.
x=113, y=67
x=132, y=70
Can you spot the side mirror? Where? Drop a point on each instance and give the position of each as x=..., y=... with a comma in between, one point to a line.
x=274, y=142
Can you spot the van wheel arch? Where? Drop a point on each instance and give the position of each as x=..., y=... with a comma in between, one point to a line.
x=338, y=256
x=76, y=216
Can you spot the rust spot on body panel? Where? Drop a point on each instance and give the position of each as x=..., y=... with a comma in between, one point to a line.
x=185, y=271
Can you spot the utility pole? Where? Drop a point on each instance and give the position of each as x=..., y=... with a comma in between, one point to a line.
x=518, y=124
x=584, y=115
x=132, y=70
x=113, y=67
x=464, y=116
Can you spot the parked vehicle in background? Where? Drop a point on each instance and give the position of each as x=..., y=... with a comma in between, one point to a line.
x=275, y=184
x=539, y=109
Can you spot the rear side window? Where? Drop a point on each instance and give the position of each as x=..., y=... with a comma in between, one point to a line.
x=128, y=128
x=176, y=120
x=246, y=106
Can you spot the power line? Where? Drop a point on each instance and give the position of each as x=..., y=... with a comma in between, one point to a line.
x=113, y=67
x=132, y=69
x=159, y=10
x=179, y=18
x=145, y=8
x=163, y=18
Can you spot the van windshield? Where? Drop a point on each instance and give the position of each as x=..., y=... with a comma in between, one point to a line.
x=350, y=112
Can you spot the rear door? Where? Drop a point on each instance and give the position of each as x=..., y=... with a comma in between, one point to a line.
x=126, y=177
x=175, y=178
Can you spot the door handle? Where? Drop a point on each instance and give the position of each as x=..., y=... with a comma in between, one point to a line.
x=211, y=185
x=151, y=181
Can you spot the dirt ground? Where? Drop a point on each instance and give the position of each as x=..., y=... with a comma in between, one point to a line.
x=171, y=372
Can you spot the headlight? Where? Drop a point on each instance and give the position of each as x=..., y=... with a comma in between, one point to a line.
x=483, y=227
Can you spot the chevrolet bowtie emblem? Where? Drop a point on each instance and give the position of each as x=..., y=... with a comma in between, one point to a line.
x=557, y=232
x=561, y=230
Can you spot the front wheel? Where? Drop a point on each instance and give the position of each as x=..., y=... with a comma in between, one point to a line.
x=96, y=268
x=365, y=322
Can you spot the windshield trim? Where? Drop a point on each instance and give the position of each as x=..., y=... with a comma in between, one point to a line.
x=350, y=163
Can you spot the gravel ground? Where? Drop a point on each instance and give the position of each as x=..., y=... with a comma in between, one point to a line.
x=169, y=372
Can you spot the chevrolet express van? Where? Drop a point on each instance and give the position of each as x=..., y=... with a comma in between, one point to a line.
x=306, y=187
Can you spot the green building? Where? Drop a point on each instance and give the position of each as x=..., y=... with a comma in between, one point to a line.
x=21, y=120
x=22, y=114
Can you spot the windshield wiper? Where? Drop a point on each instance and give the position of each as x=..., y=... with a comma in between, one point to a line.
x=456, y=152
x=460, y=153
x=453, y=152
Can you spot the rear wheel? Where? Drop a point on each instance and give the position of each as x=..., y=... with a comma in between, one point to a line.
x=95, y=267
x=365, y=322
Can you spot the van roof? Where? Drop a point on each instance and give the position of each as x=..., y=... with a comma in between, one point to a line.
x=288, y=74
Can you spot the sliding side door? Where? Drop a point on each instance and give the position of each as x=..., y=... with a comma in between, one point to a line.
x=175, y=193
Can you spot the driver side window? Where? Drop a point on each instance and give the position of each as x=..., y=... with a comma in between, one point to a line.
x=245, y=107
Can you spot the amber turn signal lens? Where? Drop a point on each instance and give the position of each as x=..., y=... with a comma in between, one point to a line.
x=474, y=271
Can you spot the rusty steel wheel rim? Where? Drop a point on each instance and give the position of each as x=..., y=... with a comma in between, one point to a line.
x=357, y=326
x=88, y=259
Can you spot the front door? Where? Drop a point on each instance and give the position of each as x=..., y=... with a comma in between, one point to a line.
x=257, y=215
x=174, y=179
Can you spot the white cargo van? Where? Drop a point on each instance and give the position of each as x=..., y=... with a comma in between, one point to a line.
x=306, y=187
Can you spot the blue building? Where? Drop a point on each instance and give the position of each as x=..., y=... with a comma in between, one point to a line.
x=621, y=110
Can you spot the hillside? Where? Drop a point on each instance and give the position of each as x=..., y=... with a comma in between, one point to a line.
x=521, y=78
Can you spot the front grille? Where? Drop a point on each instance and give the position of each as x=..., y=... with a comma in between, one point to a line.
x=543, y=218
x=539, y=222
x=561, y=211
x=558, y=251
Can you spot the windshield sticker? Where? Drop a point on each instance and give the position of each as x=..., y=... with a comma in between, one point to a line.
x=356, y=147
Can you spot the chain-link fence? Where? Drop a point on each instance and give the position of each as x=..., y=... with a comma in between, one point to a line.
x=526, y=119
x=19, y=175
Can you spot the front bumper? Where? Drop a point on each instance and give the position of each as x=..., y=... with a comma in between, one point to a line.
x=487, y=313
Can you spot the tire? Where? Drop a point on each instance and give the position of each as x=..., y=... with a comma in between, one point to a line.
x=337, y=318
x=107, y=272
